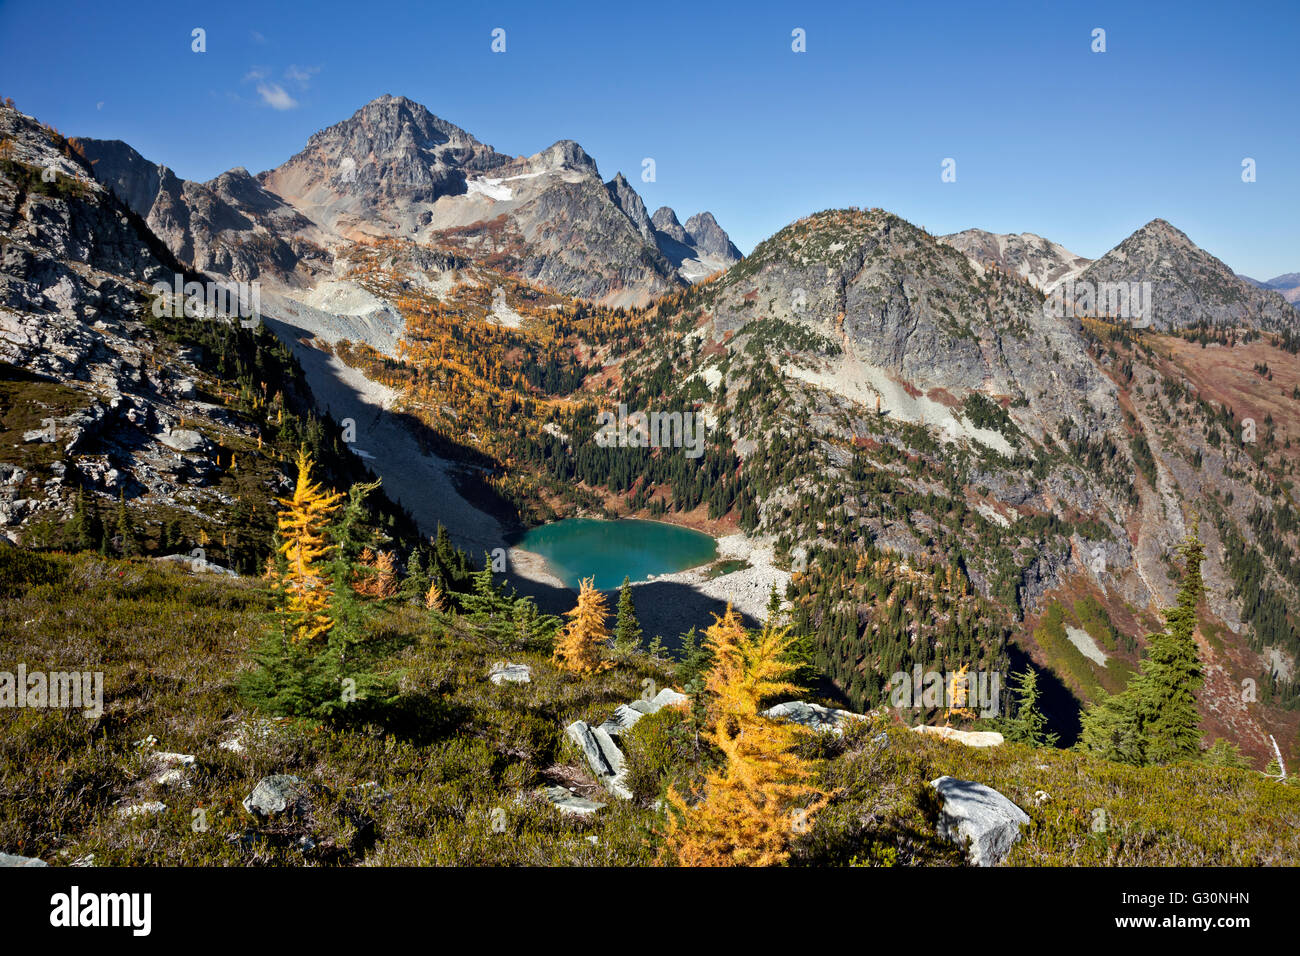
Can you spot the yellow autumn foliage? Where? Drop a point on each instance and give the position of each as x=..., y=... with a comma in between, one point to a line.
x=302, y=526
x=753, y=807
x=578, y=648
x=433, y=599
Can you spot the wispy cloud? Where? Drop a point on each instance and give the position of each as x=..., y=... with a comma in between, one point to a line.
x=301, y=75
x=273, y=93
x=274, y=96
x=257, y=37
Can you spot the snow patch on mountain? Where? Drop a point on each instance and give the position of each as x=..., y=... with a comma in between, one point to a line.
x=492, y=188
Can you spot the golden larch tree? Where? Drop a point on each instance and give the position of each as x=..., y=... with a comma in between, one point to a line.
x=750, y=809
x=302, y=526
x=959, y=696
x=385, y=581
x=376, y=576
x=578, y=646
x=433, y=599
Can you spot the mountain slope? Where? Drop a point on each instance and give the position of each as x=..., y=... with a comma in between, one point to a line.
x=903, y=424
x=180, y=422
x=393, y=169
x=230, y=225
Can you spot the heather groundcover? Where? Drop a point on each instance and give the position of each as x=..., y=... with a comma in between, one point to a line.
x=444, y=767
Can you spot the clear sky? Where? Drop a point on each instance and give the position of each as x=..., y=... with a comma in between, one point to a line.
x=1048, y=136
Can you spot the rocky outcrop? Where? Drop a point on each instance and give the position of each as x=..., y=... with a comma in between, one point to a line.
x=626, y=715
x=10, y=860
x=602, y=755
x=197, y=564
x=1042, y=574
x=570, y=803
x=132, y=412
x=970, y=738
x=978, y=817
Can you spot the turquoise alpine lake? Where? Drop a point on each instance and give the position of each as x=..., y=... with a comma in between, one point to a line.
x=578, y=548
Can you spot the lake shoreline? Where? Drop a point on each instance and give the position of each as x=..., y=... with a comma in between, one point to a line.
x=568, y=550
x=746, y=589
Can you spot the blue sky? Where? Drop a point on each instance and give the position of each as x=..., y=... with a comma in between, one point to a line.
x=1048, y=136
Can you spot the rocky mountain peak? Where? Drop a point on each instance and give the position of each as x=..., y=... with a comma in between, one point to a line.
x=665, y=220
x=390, y=121
x=1161, y=230
x=1188, y=284
x=626, y=198
x=565, y=154
x=709, y=238
x=372, y=171
x=699, y=249
x=394, y=169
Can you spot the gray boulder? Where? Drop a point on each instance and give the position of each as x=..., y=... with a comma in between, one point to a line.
x=570, y=803
x=814, y=716
x=8, y=859
x=197, y=565
x=502, y=673
x=150, y=808
x=979, y=815
x=182, y=439
x=971, y=738
x=666, y=698
x=276, y=794
x=625, y=716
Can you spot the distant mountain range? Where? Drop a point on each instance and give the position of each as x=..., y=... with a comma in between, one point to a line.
x=1287, y=285
x=1189, y=286
x=393, y=170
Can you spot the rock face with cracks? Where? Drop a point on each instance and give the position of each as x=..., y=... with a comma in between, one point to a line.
x=603, y=756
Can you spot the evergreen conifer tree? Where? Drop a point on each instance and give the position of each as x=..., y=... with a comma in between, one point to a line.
x=1027, y=724
x=1154, y=720
x=627, y=631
